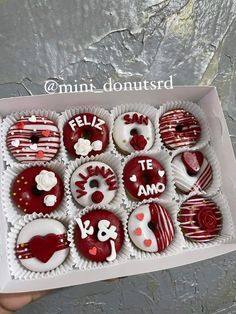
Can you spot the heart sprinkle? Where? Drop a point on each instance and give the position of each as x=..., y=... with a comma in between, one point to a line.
x=140, y=216
x=15, y=143
x=138, y=231
x=133, y=178
x=40, y=154
x=46, y=133
x=161, y=173
x=33, y=146
x=32, y=118
x=147, y=242
x=93, y=251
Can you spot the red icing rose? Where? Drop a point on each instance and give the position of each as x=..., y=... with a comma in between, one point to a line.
x=138, y=142
x=206, y=219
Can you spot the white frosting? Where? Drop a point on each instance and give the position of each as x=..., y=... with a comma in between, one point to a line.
x=83, y=147
x=45, y=180
x=106, y=231
x=97, y=145
x=50, y=200
x=147, y=233
x=42, y=227
x=86, y=200
x=112, y=256
x=15, y=143
x=85, y=228
x=184, y=181
x=122, y=136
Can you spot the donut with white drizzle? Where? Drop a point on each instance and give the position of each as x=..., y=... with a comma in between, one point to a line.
x=179, y=128
x=33, y=138
x=200, y=219
x=192, y=172
x=151, y=228
x=133, y=132
x=144, y=178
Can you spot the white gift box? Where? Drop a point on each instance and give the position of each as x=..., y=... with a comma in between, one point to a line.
x=208, y=100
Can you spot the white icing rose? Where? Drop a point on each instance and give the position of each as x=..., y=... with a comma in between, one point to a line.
x=83, y=147
x=50, y=200
x=97, y=145
x=45, y=180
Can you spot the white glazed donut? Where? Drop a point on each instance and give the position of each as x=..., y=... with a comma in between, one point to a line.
x=33, y=138
x=45, y=238
x=92, y=183
x=150, y=228
x=192, y=172
x=133, y=132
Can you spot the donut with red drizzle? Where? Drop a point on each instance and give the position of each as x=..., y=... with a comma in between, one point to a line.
x=33, y=138
x=85, y=134
x=151, y=228
x=37, y=189
x=179, y=128
x=133, y=132
x=99, y=235
x=93, y=183
x=192, y=172
x=144, y=178
x=42, y=245
x=200, y=219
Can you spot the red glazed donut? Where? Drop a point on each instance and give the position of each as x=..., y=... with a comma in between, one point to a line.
x=179, y=128
x=33, y=138
x=99, y=235
x=200, y=219
x=144, y=178
x=85, y=135
x=37, y=189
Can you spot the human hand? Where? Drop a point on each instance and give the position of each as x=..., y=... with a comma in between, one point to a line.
x=15, y=301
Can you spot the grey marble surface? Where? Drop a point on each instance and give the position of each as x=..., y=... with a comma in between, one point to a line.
x=193, y=40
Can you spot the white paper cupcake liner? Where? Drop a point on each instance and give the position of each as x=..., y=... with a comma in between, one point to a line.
x=164, y=159
x=17, y=270
x=214, y=186
x=145, y=109
x=83, y=263
x=110, y=160
x=11, y=211
x=197, y=112
x=175, y=247
x=68, y=114
x=11, y=119
x=227, y=232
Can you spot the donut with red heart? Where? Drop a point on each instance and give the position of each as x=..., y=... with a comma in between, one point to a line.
x=42, y=245
x=33, y=138
x=37, y=189
x=99, y=235
x=85, y=134
x=93, y=183
x=144, y=178
x=192, y=172
x=150, y=228
x=179, y=128
x=133, y=132
x=200, y=219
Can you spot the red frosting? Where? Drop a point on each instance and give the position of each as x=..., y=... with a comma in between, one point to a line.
x=200, y=219
x=179, y=128
x=90, y=246
x=144, y=178
x=87, y=126
x=138, y=142
x=42, y=247
x=28, y=198
x=192, y=161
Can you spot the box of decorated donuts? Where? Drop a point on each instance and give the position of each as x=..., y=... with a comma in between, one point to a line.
x=104, y=185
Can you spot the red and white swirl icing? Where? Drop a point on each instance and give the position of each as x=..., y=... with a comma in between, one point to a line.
x=200, y=219
x=179, y=128
x=19, y=139
x=150, y=228
x=199, y=179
